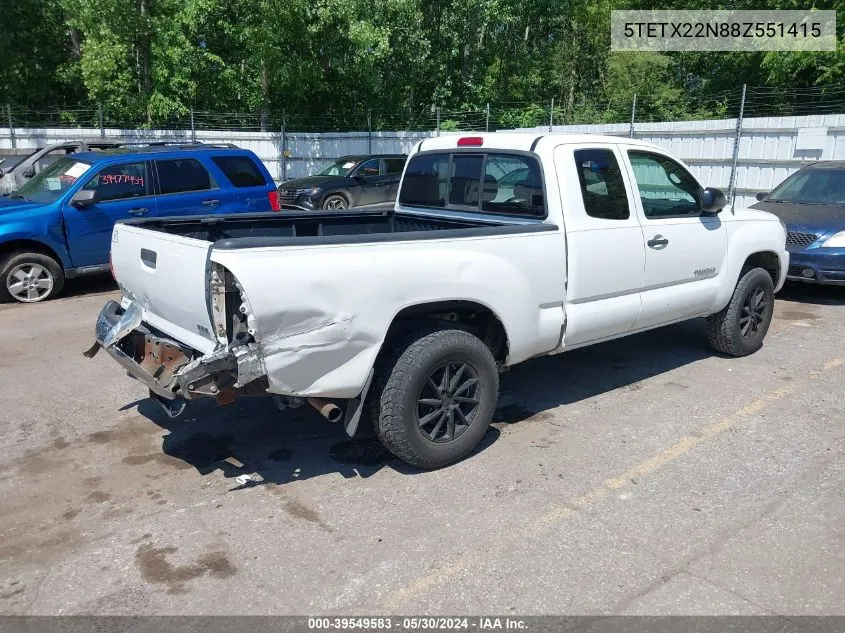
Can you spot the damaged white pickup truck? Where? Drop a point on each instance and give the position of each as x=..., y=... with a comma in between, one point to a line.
x=501, y=247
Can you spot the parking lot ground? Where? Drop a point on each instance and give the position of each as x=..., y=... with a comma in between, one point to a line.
x=642, y=476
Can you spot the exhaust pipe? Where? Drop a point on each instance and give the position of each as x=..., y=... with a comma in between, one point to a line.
x=327, y=409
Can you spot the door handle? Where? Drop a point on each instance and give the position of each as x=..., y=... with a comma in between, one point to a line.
x=139, y=211
x=658, y=241
x=210, y=203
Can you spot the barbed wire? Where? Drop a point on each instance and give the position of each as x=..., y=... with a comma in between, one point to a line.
x=758, y=101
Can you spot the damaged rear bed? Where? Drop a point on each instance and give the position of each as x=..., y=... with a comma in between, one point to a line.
x=297, y=305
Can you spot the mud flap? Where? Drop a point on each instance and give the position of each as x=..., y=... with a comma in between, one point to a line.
x=356, y=407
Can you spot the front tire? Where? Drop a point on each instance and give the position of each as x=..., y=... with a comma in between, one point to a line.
x=435, y=398
x=29, y=277
x=335, y=202
x=739, y=329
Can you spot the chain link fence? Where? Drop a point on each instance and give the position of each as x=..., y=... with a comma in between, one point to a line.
x=580, y=110
x=744, y=140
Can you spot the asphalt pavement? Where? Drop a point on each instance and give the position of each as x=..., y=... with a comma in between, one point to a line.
x=642, y=476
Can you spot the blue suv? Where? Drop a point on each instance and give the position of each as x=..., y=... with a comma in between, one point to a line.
x=59, y=224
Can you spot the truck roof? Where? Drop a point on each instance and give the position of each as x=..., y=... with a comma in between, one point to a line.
x=523, y=141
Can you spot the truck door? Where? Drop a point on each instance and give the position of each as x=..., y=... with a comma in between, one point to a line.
x=123, y=191
x=685, y=249
x=605, y=251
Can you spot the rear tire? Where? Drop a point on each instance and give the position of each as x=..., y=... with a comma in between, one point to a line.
x=434, y=397
x=29, y=277
x=335, y=202
x=739, y=329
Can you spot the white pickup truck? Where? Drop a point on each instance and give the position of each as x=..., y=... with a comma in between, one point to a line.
x=501, y=247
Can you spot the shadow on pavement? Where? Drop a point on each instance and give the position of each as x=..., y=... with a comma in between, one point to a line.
x=545, y=383
x=88, y=284
x=798, y=292
x=252, y=436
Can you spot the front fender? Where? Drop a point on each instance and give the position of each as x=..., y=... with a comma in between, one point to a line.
x=45, y=231
x=747, y=238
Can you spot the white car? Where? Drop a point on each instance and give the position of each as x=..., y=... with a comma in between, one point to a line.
x=406, y=318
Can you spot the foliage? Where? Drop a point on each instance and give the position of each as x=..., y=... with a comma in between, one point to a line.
x=150, y=61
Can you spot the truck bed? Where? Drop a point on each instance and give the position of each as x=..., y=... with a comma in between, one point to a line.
x=251, y=230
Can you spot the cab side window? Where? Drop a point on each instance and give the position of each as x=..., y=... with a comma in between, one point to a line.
x=119, y=182
x=666, y=189
x=602, y=187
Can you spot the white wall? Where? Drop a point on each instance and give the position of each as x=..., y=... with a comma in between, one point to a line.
x=309, y=152
x=770, y=148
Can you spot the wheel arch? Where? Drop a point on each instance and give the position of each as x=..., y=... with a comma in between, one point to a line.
x=767, y=260
x=752, y=245
x=472, y=316
x=35, y=246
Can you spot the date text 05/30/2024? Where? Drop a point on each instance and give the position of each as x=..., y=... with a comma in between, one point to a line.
x=481, y=623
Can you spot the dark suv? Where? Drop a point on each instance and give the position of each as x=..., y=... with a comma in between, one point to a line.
x=351, y=181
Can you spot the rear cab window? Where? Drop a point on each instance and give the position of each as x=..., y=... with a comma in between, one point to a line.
x=499, y=183
x=240, y=170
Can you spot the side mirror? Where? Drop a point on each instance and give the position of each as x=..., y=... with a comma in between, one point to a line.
x=713, y=201
x=760, y=196
x=29, y=172
x=84, y=198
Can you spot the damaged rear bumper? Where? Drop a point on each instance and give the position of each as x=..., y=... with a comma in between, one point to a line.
x=168, y=368
x=175, y=373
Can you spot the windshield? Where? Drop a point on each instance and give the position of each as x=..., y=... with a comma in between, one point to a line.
x=51, y=183
x=812, y=186
x=340, y=168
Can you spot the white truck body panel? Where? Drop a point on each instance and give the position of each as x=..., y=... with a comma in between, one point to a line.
x=173, y=292
x=322, y=311
x=320, y=334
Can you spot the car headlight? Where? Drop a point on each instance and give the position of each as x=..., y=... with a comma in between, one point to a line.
x=837, y=240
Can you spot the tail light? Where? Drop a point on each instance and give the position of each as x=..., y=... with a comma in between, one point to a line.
x=274, y=200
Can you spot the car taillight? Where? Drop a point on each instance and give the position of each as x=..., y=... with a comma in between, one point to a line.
x=470, y=141
x=274, y=200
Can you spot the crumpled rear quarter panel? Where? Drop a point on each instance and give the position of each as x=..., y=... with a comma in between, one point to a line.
x=322, y=312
